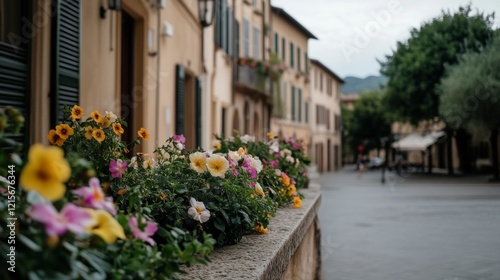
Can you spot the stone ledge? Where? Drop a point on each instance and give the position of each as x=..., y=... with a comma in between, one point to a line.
x=263, y=256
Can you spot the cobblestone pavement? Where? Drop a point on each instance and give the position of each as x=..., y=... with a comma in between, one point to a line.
x=423, y=227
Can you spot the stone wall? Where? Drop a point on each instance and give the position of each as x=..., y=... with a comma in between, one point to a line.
x=289, y=251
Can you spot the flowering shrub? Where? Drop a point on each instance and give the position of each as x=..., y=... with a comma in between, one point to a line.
x=88, y=209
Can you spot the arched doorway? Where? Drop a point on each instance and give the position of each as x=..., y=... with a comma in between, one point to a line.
x=236, y=122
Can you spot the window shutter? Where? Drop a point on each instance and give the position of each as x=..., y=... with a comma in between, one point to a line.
x=283, y=49
x=224, y=27
x=256, y=43
x=300, y=105
x=15, y=72
x=198, y=112
x=179, y=99
x=246, y=39
x=230, y=23
x=65, y=80
x=291, y=55
x=293, y=103
x=306, y=59
x=276, y=43
x=218, y=21
x=237, y=39
x=299, y=66
x=307, y=112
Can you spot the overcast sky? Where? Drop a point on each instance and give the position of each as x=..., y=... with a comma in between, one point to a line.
x=354, y=33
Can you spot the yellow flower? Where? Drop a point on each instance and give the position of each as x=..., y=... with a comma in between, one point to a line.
x=286, y=180
x=45, y=172
x=105, y=226
x=163, y=196
x=242, y=151
x=217, y=165
x=143, y=133
x=76, y=112
x=88, y=132
x=258, y=189
x=98, y=135
x=291, y=190
x=105, y=122
x=55, y=139
x=64, y=131
x=270, y=135
x=261, y=229
x=198, y=162
x=217, y=145
x=96, y=116
x=118, y=129
x=297, y=202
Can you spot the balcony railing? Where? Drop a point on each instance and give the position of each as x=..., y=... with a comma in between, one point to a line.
x=251, y=78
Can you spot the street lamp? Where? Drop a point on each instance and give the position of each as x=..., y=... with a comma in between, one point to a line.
x=206, y=11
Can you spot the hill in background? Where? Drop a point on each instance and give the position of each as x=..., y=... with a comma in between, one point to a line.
x=358, y=85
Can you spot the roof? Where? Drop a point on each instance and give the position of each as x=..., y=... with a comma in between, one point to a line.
x=322, y=66
x=350, y=97
x=286, y=16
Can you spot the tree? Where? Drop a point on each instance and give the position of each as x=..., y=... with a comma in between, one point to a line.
x=417, y=65
x=367, y=123
x=470, y=95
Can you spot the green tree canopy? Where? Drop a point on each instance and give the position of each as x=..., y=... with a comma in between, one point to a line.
x=470, y=94
x=417, y=65
x=367, y=123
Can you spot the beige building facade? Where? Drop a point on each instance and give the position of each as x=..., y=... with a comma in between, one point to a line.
x=290, y=45
x=326, y=118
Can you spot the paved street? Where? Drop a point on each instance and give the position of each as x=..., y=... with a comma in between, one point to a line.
x=418, y=228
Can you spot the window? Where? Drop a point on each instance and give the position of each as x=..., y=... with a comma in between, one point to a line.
x=306, y=62
x=283, y=48
x=223, y=124
x=321, y=81
x=306, y=105
x=298, y=59
x=291, y=55
x=316, y=78
x=246, y=38
x=293, y=103
x=256, y=43
x=300, y=105
x=276, y=43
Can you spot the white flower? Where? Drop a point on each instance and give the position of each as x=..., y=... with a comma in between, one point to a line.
x=179, y=146
x=256, y=164
x=111, y=116
x=198, y=211
x=287, y=152
x=217, y=165
x=247, y=138
x=234, y=156
x=258, y=189
x=275, y=147
x=198, y=162
x=133, y=162
x=290, y=159
x=150, y=162
x=277, y=172
x=297, y=162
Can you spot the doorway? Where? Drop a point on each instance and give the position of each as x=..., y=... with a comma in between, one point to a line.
x=127, y=76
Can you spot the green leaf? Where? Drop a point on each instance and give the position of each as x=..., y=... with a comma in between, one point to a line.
x=29, y=243
x=219, y=225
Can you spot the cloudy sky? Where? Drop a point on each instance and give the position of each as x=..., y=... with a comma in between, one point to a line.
x=353, y=34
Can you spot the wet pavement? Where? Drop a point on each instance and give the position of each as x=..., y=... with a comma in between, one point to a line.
x=422, y=227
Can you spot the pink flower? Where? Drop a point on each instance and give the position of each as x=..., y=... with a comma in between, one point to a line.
x=235, y=172
x=249, y=168
x=117, y=168
x=179, y=138
x=149, y=230
x=93, y=196
x=274, y=164
x=295, y=145
x=71, y=218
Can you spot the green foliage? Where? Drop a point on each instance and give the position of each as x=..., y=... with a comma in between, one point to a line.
x=473, y=102
x=367, y=123
x=417, y=65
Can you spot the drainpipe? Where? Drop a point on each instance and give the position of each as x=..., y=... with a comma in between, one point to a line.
x=158, y=52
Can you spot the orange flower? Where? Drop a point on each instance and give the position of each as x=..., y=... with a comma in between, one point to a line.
x=297, y=202
x=98, y=135
x=143, y=133
x=261, y=229
x=291, y=190
x=76, y=112
x=117, y=128
x=163, y=196
x=122, y=191
x=64, y=131
x=96, y=116
x=55, y=139
x=88, y=132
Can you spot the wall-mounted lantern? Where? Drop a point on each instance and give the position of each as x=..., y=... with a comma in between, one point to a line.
x=206, y=11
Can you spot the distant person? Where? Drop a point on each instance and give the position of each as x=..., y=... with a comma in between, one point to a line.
x=362, y=165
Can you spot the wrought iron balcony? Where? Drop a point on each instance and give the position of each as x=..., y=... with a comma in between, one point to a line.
x=249, y=78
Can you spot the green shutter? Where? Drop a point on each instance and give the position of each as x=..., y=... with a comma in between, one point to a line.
x=291, y=55
x=299, y=66
x=15, y=74
x=224, y=31
x=307, y=112
x=283, y=49
x=65, y=79
x=276, y=43
x=230, y=24
x=218, y=26
x=306, y=59
x=237, y=39
x=300, y=105
x=180, y=85
x=198, y=111
x=293, y=103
